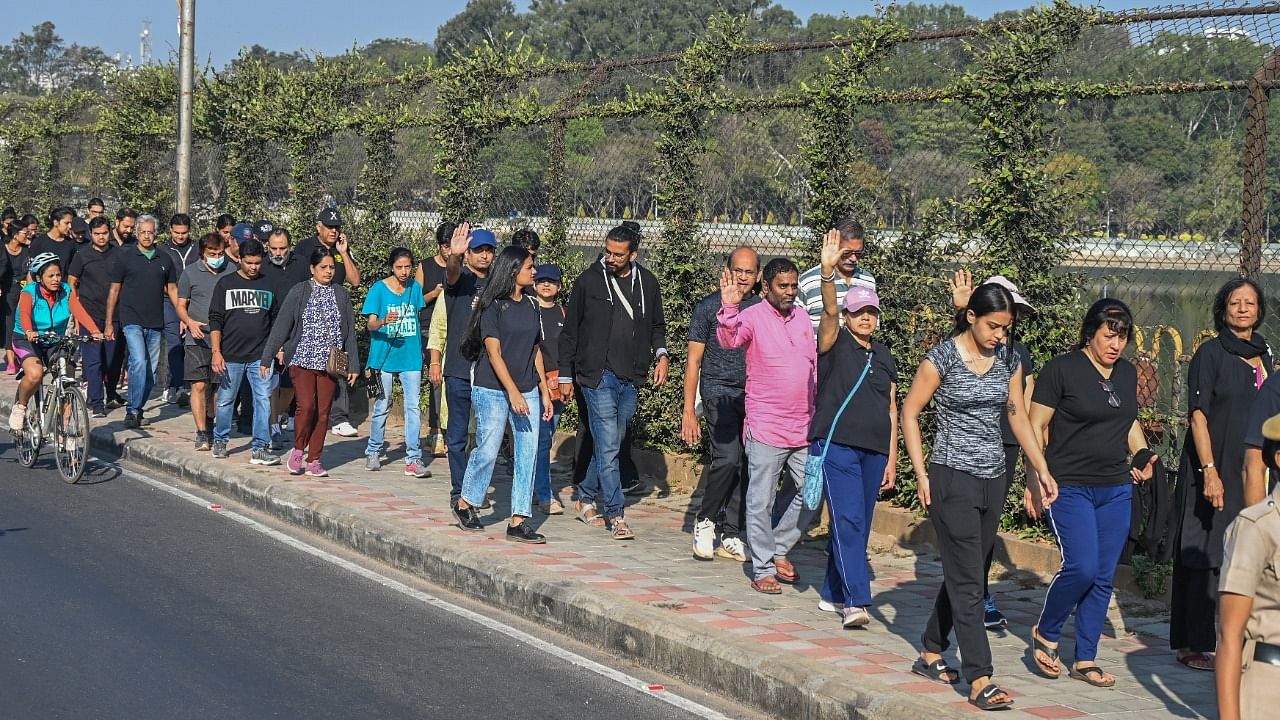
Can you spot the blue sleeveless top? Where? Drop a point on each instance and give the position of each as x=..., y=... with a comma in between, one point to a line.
x=46, y=318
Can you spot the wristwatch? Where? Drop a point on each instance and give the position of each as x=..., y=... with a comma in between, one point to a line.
x=1206, y=466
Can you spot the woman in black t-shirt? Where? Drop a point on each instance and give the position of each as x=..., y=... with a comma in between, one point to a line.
x=1086, y=401
x=17, y=258
x=508, y=386
x=861, y=458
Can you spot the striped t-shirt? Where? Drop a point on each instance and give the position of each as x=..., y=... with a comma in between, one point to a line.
x=969, y=410
x=811, y=290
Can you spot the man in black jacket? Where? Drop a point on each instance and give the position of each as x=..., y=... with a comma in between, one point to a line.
x=613, y=329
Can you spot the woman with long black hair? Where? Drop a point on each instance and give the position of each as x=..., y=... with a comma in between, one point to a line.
x=975, y=379
x=1086, y=403
x=1222, y=382
x=508, y=386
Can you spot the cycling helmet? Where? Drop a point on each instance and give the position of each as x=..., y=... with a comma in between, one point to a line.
x=39, y=262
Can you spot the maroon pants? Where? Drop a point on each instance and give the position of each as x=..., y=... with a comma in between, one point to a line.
x=314, y=391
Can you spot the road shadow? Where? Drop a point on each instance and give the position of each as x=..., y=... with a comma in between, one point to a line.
x=6, y=531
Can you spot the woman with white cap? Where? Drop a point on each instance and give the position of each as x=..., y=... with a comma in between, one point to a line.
x=855, y=423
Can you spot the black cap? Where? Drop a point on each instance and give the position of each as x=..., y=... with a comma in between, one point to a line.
x=80, y=226
x=329, y=217
x=548, y=271
x=262, y=230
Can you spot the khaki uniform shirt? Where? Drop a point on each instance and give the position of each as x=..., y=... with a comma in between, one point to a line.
x=1250, y=567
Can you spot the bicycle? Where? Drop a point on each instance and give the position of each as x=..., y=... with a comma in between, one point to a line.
x=57, y=411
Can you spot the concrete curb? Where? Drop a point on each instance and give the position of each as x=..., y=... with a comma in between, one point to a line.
x=772, y=681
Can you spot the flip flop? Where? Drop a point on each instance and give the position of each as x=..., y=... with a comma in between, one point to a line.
x=984, y=699
x=767, y=585
x=1197, y=661
x=1091, y=674
x=935, y=671
x=785, y=571
x=1038, y=645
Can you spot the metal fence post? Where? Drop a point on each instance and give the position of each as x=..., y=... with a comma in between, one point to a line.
x=186, y=81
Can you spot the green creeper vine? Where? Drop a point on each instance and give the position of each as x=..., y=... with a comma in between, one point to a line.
x=136, y=135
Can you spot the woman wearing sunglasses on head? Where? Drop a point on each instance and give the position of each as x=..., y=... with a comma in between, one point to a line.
x=1086, y=403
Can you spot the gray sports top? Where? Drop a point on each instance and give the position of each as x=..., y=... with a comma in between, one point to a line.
x=969, y=410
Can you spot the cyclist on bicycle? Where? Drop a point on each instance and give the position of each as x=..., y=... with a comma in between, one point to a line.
x=46, y=305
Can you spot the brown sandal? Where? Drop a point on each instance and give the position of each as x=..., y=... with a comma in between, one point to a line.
x=767, y=585
x=786, y=572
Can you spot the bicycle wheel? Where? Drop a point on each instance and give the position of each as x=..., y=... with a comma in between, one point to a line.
x=28, y=441
x=71, y=434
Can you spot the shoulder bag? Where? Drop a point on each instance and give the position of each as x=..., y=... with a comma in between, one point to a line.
x=814, y=468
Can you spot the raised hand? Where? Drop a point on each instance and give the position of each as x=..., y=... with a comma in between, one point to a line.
x=961, y=285
x=831, y=252
x=458, y=243
x=730, y=292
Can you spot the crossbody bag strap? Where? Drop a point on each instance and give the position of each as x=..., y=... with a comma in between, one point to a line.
x=832, y=431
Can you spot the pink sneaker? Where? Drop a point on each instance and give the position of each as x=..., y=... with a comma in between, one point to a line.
x=416, y=470
x=315, y=469
x=294, y=462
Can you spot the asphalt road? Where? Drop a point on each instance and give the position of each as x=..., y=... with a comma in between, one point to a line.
x=119, y=600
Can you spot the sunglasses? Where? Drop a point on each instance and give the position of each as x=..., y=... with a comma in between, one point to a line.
x=1110, y=390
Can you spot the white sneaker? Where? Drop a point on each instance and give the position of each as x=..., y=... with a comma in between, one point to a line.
x=830, y=607
x=704, y=540
x=855, y=617
x=732, y=548
x=344, y=429
x=17, y=416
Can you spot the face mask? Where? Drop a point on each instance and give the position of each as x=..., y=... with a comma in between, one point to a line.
x=216, y=263
x=279, y=261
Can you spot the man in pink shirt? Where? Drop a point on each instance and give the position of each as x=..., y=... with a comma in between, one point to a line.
x=781, y=380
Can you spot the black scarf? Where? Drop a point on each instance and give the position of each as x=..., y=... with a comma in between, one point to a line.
x=1253, y=347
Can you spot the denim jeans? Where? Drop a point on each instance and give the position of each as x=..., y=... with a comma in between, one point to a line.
x=144, y=357
x=610, y=406
x=229, y=387
x=542, y=471
x=493, y=413
x=458, y=394
x=412, y=384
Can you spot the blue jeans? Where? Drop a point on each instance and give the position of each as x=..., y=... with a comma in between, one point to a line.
x=144, y=357
x=412, y=384
x=542, y=471
x=610, y=406
x=176, y=353
x=1091, y=525
x=458, y=394
x=493, y=413
x=98, y=359
x=852, y=485
x=229, y=387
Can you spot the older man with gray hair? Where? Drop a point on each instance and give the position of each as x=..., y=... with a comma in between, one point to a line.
x=152, y=276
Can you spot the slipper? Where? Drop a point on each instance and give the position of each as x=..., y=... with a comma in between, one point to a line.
x=587, y=514
x=1197, y=661
x=767, y=585
x=984, y=699
x=1091, y=674
x=785, y=571
x=1039, y=645
x=936, y=671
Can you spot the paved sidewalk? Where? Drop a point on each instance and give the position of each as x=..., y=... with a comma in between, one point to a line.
x=657, y=569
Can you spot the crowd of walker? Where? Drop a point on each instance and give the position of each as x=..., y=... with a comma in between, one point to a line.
x=784, y=374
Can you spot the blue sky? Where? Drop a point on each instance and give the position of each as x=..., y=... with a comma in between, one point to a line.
x=327, y=26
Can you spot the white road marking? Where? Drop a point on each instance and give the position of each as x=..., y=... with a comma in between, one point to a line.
x=657, y=692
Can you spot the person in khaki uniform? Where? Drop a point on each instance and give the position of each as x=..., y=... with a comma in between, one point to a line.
x=1248, y=659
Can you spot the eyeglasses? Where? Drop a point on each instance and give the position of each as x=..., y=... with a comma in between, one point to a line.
x=743, y=272
x=1110, y=390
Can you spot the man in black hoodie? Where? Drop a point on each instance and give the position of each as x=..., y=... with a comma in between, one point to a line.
x=613, y=329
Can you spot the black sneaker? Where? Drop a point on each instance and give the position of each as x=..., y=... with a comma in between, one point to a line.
x=98, y=411
x=522, y=533
x=468, y=518
x=114, y=401
x=184, y=399
x=131, y=421
x=219, y=449
x=635, y=488
x=202, y=440
x=992, y=618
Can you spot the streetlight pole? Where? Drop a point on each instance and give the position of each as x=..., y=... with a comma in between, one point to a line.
x=186, y=84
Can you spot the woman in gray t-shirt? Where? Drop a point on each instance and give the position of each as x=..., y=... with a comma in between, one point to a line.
x=974, y=381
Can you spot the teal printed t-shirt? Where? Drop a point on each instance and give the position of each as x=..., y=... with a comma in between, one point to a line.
x=395, y=347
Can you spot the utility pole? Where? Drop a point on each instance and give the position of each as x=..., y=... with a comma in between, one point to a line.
x=186, y=85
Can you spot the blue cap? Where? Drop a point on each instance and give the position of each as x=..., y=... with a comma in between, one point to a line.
x=242, y=232
x=549, y=271
x=481, y=237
